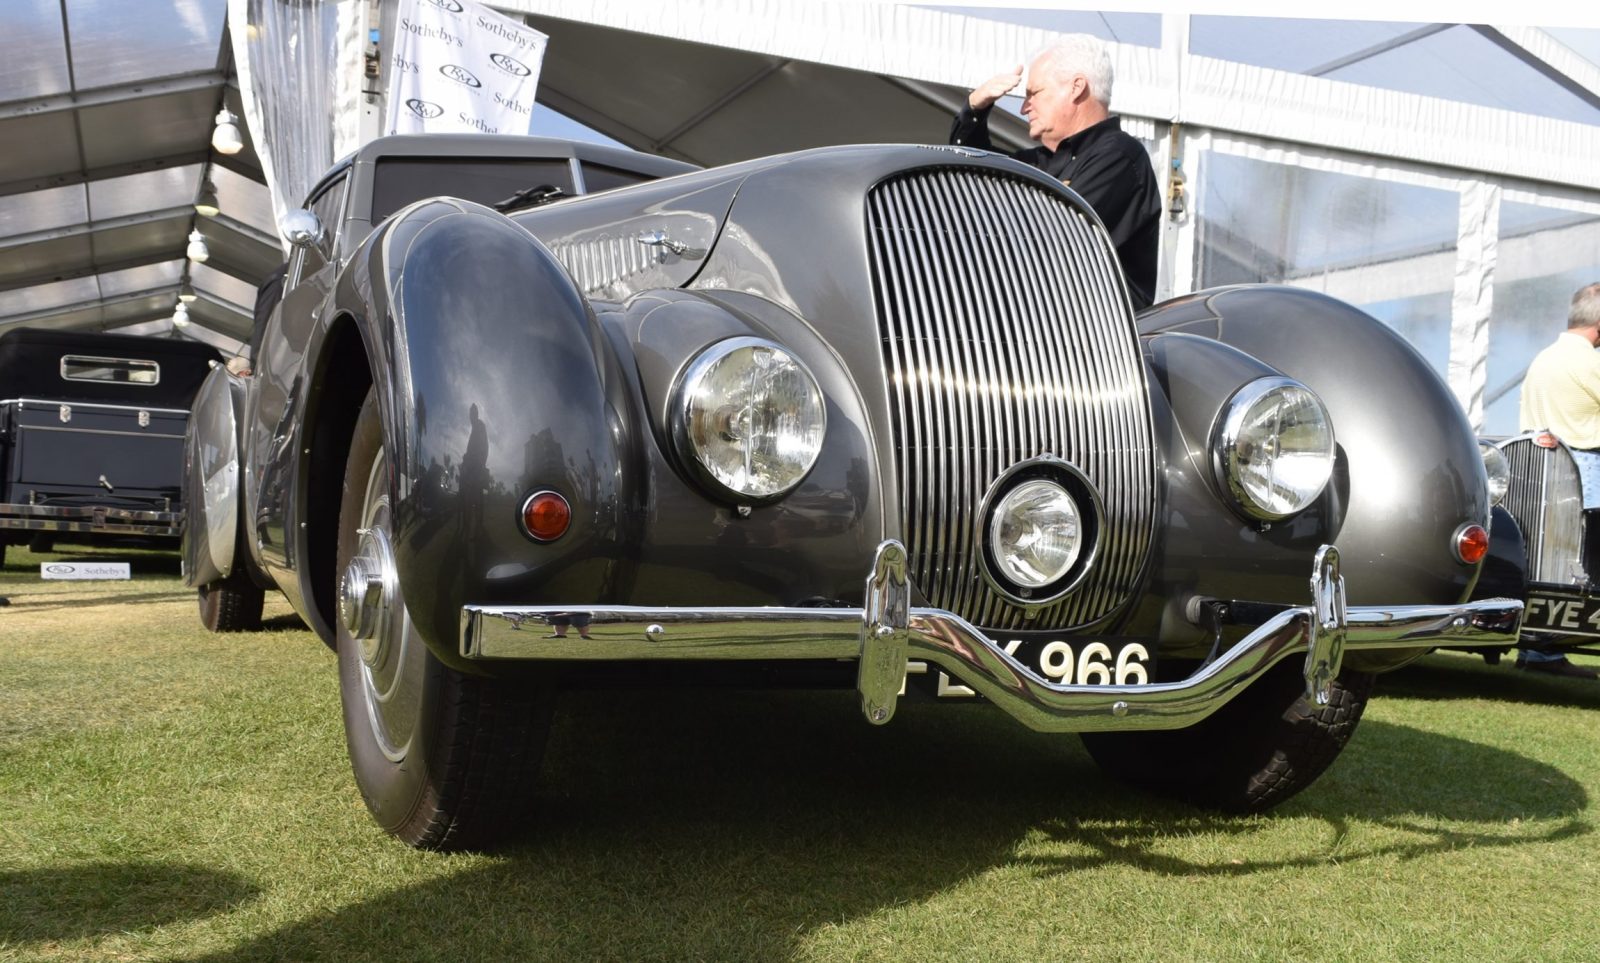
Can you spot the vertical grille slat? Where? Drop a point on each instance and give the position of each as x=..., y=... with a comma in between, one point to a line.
x=1007, y=337
x=1545, y=496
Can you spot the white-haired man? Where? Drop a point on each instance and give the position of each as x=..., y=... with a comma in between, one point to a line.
x=1067, y=106
x=1561, y=394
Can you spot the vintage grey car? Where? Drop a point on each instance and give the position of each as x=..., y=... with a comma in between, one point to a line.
x=876, y=416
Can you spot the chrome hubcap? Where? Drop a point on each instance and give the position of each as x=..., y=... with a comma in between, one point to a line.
x=367, y=593
x=372, y=610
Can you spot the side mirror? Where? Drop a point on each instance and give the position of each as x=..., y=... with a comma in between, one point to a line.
x=301, y=228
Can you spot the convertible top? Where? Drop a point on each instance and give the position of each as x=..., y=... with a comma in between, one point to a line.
x=31, y=366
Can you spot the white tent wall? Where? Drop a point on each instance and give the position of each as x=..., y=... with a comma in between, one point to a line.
x=1430, y=213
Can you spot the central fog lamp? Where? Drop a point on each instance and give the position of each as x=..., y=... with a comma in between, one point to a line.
x=226, y=138
x=1036, y=533
x=197, y=250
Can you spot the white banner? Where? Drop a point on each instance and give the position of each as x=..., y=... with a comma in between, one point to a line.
x=459, y=67
x=78, y=571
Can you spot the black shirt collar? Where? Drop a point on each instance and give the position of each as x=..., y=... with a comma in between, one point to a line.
x=1075, y=144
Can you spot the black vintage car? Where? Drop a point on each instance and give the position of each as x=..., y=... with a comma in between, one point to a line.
x=876, y=416
x=91, y=433
x=1535, y=481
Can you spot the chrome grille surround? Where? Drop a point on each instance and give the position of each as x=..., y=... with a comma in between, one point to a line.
x=1006, y=336
x=1546, y=498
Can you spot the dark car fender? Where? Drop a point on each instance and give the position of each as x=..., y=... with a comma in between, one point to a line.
x=211, y=480
x=1412, y=473
x=494, y=382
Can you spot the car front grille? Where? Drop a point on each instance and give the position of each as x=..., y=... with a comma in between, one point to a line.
x=1546, y=498
x=1006, y=336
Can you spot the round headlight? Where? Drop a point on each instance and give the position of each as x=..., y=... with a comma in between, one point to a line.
x=1036, y=533
x=1498, y=469
x=1274, y=448
x=751, y=416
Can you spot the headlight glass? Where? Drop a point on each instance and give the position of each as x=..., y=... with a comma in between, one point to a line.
x=751, y=416
x=1499, y=470
x=1036, y=533
x=1274, y=448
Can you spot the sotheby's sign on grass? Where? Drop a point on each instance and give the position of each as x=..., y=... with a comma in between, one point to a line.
x=85, y=570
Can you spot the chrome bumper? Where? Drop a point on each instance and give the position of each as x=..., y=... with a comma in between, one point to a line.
x=886, y=632
x=94, y=519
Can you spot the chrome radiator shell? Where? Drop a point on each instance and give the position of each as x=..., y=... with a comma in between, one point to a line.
x=1007, y=335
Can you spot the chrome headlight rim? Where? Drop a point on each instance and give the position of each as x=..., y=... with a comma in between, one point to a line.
x=682, y=413
x=1091, y=517
x=1225, y=441
x=1498, y=470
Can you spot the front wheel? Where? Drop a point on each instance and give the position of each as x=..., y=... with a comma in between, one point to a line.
x=444, y=760
x=1268, y=743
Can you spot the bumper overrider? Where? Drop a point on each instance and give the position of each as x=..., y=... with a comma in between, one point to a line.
x=887, y=631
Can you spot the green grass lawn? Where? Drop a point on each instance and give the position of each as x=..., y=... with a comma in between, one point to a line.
x=166, y=794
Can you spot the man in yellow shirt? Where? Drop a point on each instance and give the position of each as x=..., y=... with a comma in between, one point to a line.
x=1561, y=394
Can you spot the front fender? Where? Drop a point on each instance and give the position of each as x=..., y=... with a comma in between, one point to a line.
x=211, y=479
x=1414, y=471
x=494, y=382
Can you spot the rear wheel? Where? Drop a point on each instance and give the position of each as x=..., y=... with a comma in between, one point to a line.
x=1268, y=743
x=232, y=604
x=444, y=760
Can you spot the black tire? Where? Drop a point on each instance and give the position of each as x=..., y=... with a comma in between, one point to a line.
x=1268, y=743
x=232, y=604
x=444, y=760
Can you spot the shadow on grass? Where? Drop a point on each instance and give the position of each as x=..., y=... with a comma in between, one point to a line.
x=1454, y=676
x=50, y=905
x=732, y=825
x=55, y=603
x=283, y=623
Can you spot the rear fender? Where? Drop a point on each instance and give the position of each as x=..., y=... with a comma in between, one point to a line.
x=211, y=479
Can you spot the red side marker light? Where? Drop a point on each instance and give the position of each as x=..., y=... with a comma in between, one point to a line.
x=1545, y=440
x=1471, y=543
x=546, y=516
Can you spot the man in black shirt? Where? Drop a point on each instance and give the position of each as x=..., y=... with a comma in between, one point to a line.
x=1066, y=105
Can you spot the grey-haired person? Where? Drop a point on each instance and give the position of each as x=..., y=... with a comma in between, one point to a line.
x=1067, y=103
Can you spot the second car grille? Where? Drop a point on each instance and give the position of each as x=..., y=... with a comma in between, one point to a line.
x=1546, y=499
x=1006, y=336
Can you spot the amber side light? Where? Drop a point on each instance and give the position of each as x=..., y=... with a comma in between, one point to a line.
x=1472, y=543
x=546, y=516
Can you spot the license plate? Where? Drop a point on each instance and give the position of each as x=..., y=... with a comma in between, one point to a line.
x=1060, y=661
x=1562, y=614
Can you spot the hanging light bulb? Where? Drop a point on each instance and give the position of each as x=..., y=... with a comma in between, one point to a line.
x=180, y=315
x=186, y=292
x=206, y=204
x=197, y=252
x=226, y=138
